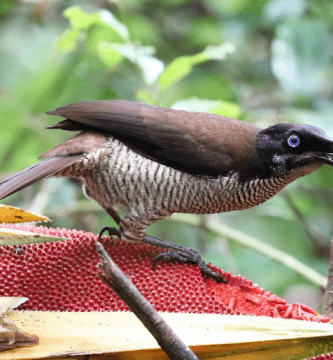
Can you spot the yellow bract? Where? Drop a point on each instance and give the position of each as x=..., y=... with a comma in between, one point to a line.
x=11, y=215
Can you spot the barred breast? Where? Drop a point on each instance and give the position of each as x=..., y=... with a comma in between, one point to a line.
x=149, y=191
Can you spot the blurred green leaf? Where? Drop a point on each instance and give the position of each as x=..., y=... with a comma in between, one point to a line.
x=280, y=10
x=150, y=66
x=204, y=31
x=144, y=29
x=178, y=69
x=80, y=19
x=182, y=66
x=301, y=55
x=108, y=55
x=145, y=97
x=108, y=18
x=227, y=7
x=223, y=108
x=219, y=52
x=67, y=41
x=99, y=26
x=6, y=6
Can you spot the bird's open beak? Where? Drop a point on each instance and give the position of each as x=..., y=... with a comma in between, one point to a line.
x=326, y=158
x=325, y=153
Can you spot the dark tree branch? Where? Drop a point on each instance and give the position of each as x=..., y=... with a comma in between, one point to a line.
x=118, y=282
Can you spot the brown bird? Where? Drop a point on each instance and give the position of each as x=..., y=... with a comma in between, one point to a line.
x=154, y=161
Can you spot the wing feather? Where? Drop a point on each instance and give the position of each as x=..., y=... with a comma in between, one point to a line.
x=198, y=143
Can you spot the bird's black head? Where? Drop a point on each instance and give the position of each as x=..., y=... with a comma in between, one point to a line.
x=283, y=148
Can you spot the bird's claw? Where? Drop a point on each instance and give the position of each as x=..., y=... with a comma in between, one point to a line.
x=190, y=256
x=112, y=231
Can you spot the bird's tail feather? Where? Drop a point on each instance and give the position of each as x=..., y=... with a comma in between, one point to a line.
x=35, y=173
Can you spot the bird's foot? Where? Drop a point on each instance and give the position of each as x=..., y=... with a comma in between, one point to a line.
x=112, y=231
x=175, y=253
x=182, y=254
x=189, y=256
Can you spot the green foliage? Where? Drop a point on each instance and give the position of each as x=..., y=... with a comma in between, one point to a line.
x=300, y=53
x=183, y=65
x=262, y=61
x=209, y=106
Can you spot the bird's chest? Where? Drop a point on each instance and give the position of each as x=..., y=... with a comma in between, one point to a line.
x=229, y=193
x=119, y=175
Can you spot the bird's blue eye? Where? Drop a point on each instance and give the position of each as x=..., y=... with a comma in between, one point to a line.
x=293, y=141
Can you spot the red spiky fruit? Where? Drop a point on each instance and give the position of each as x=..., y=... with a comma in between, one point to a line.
x=61, y=276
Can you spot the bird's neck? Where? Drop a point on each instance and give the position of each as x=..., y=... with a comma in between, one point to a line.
x=236, y=193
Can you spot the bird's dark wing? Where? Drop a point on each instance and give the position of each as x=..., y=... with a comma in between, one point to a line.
x=197, y=143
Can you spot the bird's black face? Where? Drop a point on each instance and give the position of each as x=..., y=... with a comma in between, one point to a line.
x=285, y=147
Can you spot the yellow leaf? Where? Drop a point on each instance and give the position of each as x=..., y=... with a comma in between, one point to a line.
x=210, y=336
x=11, y=336
x=9, y=237
x=11, y=215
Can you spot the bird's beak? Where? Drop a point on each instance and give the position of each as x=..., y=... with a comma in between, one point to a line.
x=324, y=158
x=326, y=153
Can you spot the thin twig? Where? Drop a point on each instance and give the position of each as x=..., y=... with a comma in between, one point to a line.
x=328, y=298
x=249, y=241
x=313, y=235
x=118, y=282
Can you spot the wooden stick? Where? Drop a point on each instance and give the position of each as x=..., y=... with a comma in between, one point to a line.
x=164, y=335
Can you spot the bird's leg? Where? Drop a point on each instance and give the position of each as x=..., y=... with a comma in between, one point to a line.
x=175, y=253
x=181, y=254
x=114, y=215
x=112, y=231
x=134, y=229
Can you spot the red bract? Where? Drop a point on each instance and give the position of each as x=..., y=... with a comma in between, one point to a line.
x=61, y=276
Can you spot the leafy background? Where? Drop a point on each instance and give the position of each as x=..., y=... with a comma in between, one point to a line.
x=260, y=61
